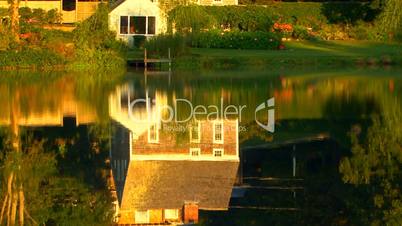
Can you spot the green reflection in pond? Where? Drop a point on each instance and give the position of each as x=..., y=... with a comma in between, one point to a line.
x=68, y=118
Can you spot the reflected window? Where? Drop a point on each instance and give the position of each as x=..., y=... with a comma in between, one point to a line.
x=124, y=25
x=171, y=214
x=151, y=25
x=195, y=132
x=195, y=151
x=153, y=136
x=218, y=132
x=126, y=97
x=141, y=217
x=218, y=152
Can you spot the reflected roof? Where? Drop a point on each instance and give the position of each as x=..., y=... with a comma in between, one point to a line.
x=167, y=184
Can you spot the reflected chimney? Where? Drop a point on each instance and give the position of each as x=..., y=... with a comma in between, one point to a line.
x=190, y=213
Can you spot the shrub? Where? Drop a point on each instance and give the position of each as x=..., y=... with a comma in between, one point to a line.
x=160, y=44
x=95, y=44
x=5, y=40
x=97, y=58
x=363, y=30
x=39, y=16
x=94, y=32
x=235, y=40
x=31, y=20
x=300, y=32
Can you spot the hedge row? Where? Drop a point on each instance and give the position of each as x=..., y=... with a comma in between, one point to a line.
x=235, y=40
x=179, y=43
x=29, y=58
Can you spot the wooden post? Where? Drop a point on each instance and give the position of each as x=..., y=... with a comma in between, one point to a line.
x=145, y=59
x=170, y=61
x=294, y=167
x=294, y=160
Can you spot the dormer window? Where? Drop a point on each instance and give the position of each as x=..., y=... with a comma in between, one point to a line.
x=218, y=132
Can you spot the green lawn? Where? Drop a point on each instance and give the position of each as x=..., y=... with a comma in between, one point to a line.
x=315, y=49
x=298, y=54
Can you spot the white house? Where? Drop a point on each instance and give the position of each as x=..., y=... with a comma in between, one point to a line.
x=131, y=18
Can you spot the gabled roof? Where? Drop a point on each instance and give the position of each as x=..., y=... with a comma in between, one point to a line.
x=168, y=184
x=115, y=4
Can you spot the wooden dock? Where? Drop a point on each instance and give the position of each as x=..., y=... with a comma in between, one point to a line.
x=147, y=62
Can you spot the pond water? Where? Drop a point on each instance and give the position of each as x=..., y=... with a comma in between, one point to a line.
x=210, y=147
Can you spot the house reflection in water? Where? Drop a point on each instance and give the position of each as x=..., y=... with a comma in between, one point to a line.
x=165, y=177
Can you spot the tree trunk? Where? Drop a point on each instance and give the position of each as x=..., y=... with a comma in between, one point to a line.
x=3, y=208
x=14, y=209
x=15, y=19
x=10, y=195
x=21, y=206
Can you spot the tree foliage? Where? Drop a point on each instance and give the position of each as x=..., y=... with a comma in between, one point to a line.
x=95, y=44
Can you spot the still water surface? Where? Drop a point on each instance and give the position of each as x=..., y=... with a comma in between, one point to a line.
x=77, y=150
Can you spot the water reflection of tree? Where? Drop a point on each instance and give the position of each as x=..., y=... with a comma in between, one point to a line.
x=345, y=110
x=375, y=168
x=34, y=191
x=23, y=170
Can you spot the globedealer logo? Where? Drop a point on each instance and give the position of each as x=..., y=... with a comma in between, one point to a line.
x=269, y=107
x=166, y=113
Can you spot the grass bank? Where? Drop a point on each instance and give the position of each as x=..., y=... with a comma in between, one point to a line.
x=297, y=54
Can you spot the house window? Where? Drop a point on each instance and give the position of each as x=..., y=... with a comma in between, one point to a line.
x=195, y=151
x=171, y=214
x=153, y=133
x=141, y=217
x=151, y=25
x=218, y=152
x=138, y=25
x=195, y=132
x=218, y=132
x=69, y=5
x=124, y=25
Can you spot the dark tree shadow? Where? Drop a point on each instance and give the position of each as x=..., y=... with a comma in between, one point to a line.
x=349, y=13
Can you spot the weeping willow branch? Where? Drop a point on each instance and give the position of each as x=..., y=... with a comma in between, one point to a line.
x=391, y=17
